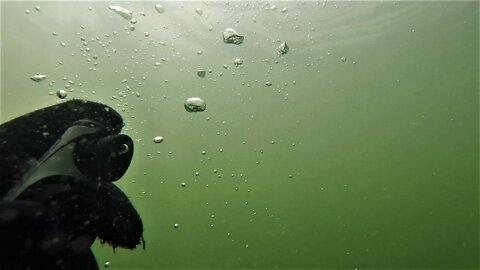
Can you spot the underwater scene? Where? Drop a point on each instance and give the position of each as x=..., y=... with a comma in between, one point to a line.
x=239, y=135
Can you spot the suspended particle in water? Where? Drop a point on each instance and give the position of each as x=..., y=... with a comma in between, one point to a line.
x=210, y=28
x=184, y=184
x=27, y=11
x=90, y=8
x=199, y=52
x=63, y=44
x=283, y=48
x=199, y=11
x=132, y=27
x=176, y=225
x=230, y=36
x=106, y=264
x=125, y=13
x=268, y=83
x=38, y=77
x=195, y=104
x=61, y=93
x=158, y=139
x=343, y=59
x=197, y=174
x=284, y=10
x=204, y=152
x=159, y=8
x=37, y=8
x=133, y=21
x=201, y=73
x=238, y=62
x=290, y=176
x=147, y=34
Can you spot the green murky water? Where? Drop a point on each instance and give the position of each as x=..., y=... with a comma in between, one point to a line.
x=361, y=154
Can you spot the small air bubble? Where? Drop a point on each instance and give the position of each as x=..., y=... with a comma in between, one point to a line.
x=61, y=93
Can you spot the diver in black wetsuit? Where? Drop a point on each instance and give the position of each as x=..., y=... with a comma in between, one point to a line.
x=57, y=166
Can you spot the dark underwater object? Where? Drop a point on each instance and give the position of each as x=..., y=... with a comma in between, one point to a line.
x=57, y=166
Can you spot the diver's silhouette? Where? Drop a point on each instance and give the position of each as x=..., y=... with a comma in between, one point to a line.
x=57, y=166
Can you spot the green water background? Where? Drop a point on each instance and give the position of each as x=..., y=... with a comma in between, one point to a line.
x=374, y=160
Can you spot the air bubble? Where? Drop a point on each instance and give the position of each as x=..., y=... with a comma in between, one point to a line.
x=283, y=48
x=38, y=77
x=230, y=36
x=195, y=104
x=158, y=139
x=238, y=62
x=125, y=13
x=201, y=73
x=159, y=8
